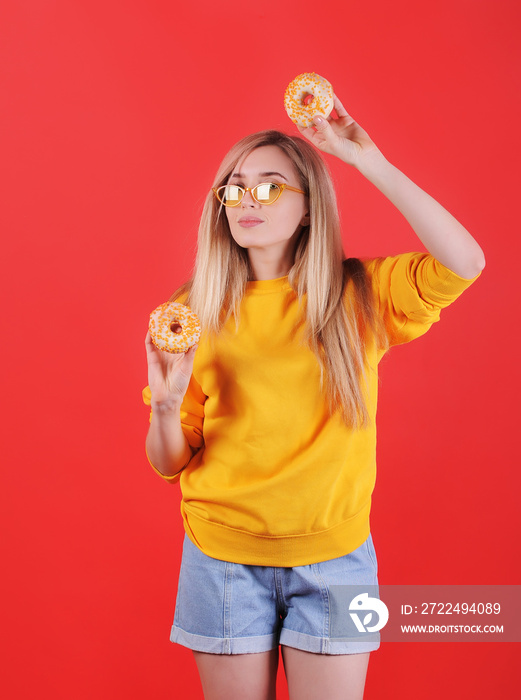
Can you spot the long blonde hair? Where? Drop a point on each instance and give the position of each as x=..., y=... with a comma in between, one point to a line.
x=319, y=276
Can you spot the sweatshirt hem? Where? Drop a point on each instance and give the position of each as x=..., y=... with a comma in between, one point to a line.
x=228, y=544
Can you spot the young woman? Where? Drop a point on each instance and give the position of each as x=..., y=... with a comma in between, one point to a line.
x=269, y=425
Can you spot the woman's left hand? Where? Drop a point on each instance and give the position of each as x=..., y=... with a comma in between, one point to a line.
x=341, y=137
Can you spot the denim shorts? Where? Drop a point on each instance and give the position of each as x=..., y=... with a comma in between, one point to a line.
x=227, y=608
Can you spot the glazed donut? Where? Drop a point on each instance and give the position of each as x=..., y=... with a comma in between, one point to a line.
x=308, y=94
x=174, y=327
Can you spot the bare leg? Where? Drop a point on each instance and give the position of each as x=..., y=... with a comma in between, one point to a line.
x=244, y=676
x=318, y=676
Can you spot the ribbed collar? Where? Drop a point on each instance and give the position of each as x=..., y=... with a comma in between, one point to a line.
x=267, y=286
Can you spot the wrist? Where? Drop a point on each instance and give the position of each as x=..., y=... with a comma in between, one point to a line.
x=373, y=164
x=166, y=407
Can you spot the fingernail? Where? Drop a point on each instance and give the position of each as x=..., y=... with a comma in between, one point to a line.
x=317, y=120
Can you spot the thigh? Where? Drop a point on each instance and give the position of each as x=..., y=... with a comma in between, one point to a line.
x=244, y=676
x=316, y=676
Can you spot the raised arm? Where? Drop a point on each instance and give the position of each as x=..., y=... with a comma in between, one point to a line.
x=443, y=236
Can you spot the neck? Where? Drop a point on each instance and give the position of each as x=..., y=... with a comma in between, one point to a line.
x=266, y=266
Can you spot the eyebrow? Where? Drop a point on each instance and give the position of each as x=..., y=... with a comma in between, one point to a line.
x=267, y=174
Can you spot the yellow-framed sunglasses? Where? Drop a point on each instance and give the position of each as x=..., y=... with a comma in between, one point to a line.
x=263, y=193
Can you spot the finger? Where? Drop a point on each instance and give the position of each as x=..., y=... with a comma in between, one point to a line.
x=340, y=109
x=149, y=344
x=185, y=357
x=188, y=355
x=322, y=126
x=307, y=131
x=185, y=362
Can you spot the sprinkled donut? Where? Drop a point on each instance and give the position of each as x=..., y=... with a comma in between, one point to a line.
x=174, y=327
x=308, y=94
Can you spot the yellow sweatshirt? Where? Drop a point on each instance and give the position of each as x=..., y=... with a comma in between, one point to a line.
x=276, y=480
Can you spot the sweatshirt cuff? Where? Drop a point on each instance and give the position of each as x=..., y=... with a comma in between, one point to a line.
x=447, y=282
x=171, y=477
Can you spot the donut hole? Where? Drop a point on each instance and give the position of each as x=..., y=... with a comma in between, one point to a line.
x=176, y=327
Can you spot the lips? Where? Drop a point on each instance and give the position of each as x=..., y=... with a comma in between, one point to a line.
x=249, y=221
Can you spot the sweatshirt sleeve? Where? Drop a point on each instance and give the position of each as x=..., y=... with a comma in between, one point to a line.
x=412, y=289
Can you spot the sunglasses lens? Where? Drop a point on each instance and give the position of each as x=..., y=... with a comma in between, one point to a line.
x=230, y=195
x=266, y=192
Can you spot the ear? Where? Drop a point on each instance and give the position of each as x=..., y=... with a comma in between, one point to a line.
x=305, y=220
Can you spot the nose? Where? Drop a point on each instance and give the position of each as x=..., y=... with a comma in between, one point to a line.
x=248, y=201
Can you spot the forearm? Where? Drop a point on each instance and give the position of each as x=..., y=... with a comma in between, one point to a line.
x=166, y=445
x=443, y=236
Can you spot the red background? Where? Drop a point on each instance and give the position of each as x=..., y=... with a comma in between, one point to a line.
x=115, y=116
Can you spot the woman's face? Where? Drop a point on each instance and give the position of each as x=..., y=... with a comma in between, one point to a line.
x=272, y=228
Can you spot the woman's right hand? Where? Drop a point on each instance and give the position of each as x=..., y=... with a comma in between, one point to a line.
x=168, y=374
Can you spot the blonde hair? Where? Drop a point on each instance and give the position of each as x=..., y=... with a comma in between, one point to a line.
x=319, y=276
